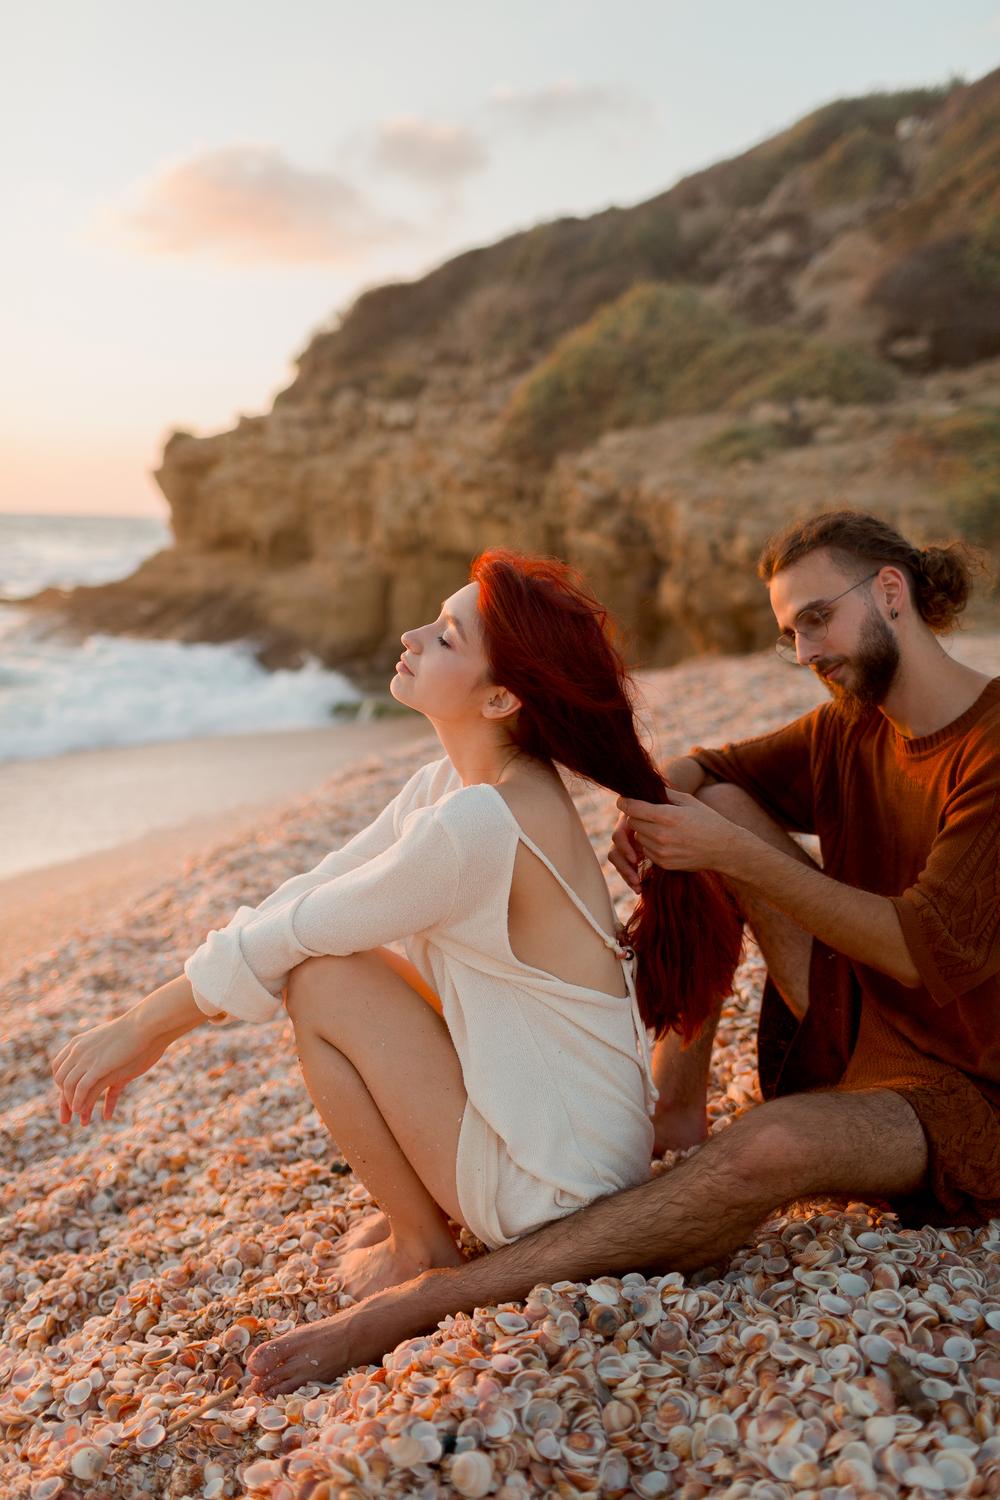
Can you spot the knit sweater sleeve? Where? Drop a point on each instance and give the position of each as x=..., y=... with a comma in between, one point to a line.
x=950, y=916
x=409, y=887
x=423, y=786
x=776, y=769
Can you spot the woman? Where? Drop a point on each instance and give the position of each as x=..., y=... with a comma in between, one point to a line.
x=499, y=1076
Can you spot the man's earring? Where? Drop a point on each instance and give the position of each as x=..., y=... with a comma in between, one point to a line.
x=894, y=614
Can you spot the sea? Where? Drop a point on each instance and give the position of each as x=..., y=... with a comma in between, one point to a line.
x=58, y=695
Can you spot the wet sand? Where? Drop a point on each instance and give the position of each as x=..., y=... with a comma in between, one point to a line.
x=82, y=834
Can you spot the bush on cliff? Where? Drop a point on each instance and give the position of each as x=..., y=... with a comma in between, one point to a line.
x=663, y=351
x=960, y=454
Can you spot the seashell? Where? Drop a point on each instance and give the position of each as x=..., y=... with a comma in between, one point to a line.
x=47, y=1489
x=235, y=1339
x=852, y=1285
x=605, y=1320
x=959, y=1349
x=151, y=1436
x=272, y=1419
x=88, y=1462
x=403, y=1451
x=619, y=1416
x=584, y=1446
x=647, y=1308
x=546, y=1444
x=652, y=1485
x=76, y=1394
x=472, y=1474
x=955, y=1469
x=605, y=1292
x=543, y=1413
x=511, y=1322
x=876, y=1348
x=261, y=1472
x=721, y=1430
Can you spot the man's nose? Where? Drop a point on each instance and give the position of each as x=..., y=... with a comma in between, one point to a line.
x=806, y=651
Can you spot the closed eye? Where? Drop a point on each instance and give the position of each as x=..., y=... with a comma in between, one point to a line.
x=444, y=642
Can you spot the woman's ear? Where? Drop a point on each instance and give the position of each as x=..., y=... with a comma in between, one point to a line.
x=500, y=704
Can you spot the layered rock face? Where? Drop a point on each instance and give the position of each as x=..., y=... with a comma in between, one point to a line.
x=483, y=405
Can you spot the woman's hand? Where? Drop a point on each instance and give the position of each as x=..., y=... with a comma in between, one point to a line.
x=102, y=1061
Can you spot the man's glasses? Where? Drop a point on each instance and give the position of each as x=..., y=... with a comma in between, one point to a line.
x=812, y=624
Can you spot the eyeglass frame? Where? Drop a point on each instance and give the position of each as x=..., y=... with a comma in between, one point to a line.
x=783, y=643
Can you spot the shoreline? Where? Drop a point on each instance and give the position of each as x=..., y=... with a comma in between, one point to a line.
x=113, y=823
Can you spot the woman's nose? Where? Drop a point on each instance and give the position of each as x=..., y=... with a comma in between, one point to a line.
x=409, y=641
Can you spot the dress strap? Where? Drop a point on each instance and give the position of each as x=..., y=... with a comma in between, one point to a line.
x=620, y=950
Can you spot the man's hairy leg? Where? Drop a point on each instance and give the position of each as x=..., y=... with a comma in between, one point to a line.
x=867, y=1142
x=681, y=1075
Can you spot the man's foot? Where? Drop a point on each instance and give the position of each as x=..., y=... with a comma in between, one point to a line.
x=358, y=1335
x=309, y=1352
x=679, y=1129
x=372, y=1268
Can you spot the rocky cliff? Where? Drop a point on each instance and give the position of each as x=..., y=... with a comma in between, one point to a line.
x=646, y=391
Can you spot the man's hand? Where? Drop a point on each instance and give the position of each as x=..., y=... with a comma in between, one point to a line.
x=682, y=834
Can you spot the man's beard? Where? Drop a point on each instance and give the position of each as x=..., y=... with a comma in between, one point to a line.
x=872, y=671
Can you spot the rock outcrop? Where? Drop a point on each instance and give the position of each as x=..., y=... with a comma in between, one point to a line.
x=867, y=233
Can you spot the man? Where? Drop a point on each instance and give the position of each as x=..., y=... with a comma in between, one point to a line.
x=879, y=1038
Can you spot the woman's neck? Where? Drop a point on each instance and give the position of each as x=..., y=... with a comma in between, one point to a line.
x=478, y=756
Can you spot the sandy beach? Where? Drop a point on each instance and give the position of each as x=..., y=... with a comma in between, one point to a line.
x=81, y=833
x=141, y=1258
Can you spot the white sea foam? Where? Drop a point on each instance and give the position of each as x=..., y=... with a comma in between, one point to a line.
x=60, y=695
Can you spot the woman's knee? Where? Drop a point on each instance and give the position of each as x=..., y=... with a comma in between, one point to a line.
x=318, y=980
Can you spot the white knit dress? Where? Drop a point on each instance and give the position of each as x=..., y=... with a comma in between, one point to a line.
x=557, y=1075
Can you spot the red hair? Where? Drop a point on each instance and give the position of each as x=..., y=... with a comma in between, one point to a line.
x=549, y=642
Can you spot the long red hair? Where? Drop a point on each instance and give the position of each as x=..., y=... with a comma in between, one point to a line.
x=549, y=641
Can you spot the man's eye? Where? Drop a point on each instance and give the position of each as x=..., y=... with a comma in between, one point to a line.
x=811, y=620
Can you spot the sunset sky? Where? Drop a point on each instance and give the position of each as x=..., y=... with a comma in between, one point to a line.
x=194, y=188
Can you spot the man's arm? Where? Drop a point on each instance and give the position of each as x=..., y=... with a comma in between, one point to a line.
x=684, y=834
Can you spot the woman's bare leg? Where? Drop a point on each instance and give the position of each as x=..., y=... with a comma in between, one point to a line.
x=374, y=1226
x=364, y=1040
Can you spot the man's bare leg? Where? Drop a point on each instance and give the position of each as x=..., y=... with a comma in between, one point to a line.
x=863, y=1143
x=682, y=1075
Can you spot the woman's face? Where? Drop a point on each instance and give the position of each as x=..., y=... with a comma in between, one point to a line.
x=443, y=671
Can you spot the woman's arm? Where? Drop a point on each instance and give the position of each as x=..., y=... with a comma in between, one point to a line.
x=104, y=1059
x=243, y=969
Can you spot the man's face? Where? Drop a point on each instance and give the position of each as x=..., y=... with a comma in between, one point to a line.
x=858, y=657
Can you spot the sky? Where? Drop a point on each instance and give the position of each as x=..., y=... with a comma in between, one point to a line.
x=194, y=189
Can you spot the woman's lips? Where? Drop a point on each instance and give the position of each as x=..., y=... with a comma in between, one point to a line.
x=402, y=667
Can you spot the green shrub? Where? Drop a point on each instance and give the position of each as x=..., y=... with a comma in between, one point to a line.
x=960, y=455
x=747, y=441
x=855, y=166
x=843, y=373
x=614, y=371
x=663, y=351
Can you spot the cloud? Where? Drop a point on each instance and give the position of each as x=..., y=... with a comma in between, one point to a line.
x=249, y=204
x=428, y=151
x=565, y=102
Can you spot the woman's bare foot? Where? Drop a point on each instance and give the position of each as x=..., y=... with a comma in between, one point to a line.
x=359, y=1335
x=372, y=1268
x=368, y=1230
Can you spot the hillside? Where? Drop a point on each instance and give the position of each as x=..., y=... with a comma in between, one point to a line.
x=646, y=391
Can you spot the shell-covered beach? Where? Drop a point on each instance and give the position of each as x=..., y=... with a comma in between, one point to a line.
x=141, y=1259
